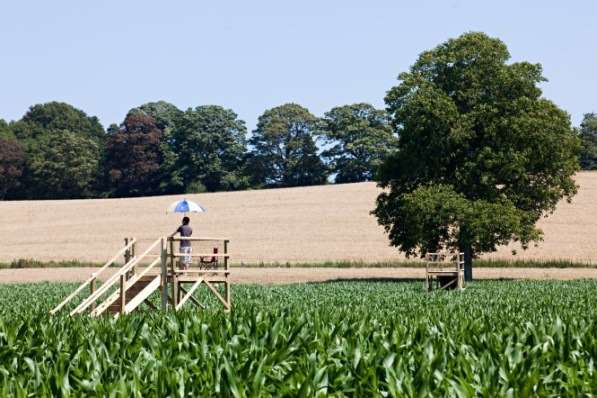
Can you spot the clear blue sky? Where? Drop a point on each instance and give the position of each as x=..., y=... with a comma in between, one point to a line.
x=108, y=56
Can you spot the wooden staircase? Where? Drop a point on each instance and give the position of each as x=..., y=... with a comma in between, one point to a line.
x=138, y=293
x=126, y=289
x=144, y=273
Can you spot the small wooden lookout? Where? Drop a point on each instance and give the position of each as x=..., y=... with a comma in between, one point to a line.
x=157, y=268
x=444, y=270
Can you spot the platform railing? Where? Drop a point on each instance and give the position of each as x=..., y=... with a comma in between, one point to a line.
x=120, y=275
x=91, y=281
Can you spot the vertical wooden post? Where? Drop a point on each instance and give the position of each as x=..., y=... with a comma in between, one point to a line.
x=163, y=253
x=133, y=253
x=122, y=295
x=227, y=283
x=174, y=275
x=91, y=291
x=127, y=253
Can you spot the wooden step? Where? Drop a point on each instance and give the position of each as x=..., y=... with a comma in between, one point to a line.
x=130, y=293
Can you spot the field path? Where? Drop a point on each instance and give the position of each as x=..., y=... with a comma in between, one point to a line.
x=297, y=275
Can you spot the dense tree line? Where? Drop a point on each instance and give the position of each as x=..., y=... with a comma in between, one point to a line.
x=56, y=151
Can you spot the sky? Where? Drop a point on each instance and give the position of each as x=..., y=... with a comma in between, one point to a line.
x=105, y=57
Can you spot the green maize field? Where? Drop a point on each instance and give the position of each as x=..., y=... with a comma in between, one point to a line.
x=362, y=339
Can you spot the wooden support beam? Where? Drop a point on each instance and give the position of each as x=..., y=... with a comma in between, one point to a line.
x=217, y=294
x=220, y=255
x=164, y=264
x=122, y=294
x=189, y=294
x=197, y=238
x=193, y=299
x=91, y=291
x=143, y=294
x=150, y=305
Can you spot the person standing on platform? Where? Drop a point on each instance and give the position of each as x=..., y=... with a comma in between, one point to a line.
x=185, y=231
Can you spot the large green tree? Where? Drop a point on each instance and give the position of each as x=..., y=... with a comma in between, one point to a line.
x=210, y=142
x=47, y=132
x=283, y=150
x=134, y=156
x=57, y=116
x=357, y=137
x=481, y=155
x=62, y=165
x=588, y=136
x=12, y=162
x=165, y=114
x=5, y=131
x=167, y=117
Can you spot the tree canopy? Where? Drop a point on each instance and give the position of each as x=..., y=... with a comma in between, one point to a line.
x=357, y=137
x=12, y=162
x=588, y=136
x=209, y=142
x=57, y=116
x=133, y=156
x=63, y=146
x=165, y=114
x=283, y=150
x=481, y=155
x=62, y=165
x=166, y=117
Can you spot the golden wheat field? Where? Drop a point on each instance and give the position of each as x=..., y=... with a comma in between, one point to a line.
x=309, y=224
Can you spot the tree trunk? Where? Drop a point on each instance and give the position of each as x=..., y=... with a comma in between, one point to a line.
x=468, y=263
x=465, y=247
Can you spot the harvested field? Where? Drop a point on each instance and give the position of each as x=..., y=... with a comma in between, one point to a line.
x=299, y=275
x=309, y=224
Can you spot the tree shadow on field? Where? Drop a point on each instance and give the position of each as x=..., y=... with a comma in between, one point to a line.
x=369, y=280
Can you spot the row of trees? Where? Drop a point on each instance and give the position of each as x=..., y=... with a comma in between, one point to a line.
x=58, y=151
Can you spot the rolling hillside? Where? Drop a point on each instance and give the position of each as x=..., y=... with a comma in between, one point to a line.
x=308, y=224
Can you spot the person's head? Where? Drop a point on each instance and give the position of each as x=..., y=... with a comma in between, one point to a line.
x=186, y=220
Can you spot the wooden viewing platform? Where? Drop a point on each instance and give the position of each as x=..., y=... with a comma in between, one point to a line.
x=134, y=283
x=444, y=270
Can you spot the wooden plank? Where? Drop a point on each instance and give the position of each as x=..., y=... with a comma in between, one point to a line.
x=191, y=279
x=127, y=253
x=452, y=272
x=193, y=299
x=142, y=295
x=226, y=253
x=164, y=270
x=222, y=255
x=91, y=291
x=175, y=291
x=106, y=304
x=227, y=292
x=189, y=294
x=150, y=305
x=122, y=294
x=217, y=294
x=197, y=238
x=199, y=271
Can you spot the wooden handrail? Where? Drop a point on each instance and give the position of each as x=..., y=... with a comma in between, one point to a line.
x=127, y=285
x=92, y=277
x=198, y=238
x=114, y=278
x=200, y=254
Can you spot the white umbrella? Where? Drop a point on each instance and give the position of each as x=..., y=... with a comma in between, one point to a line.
x=185, y=206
